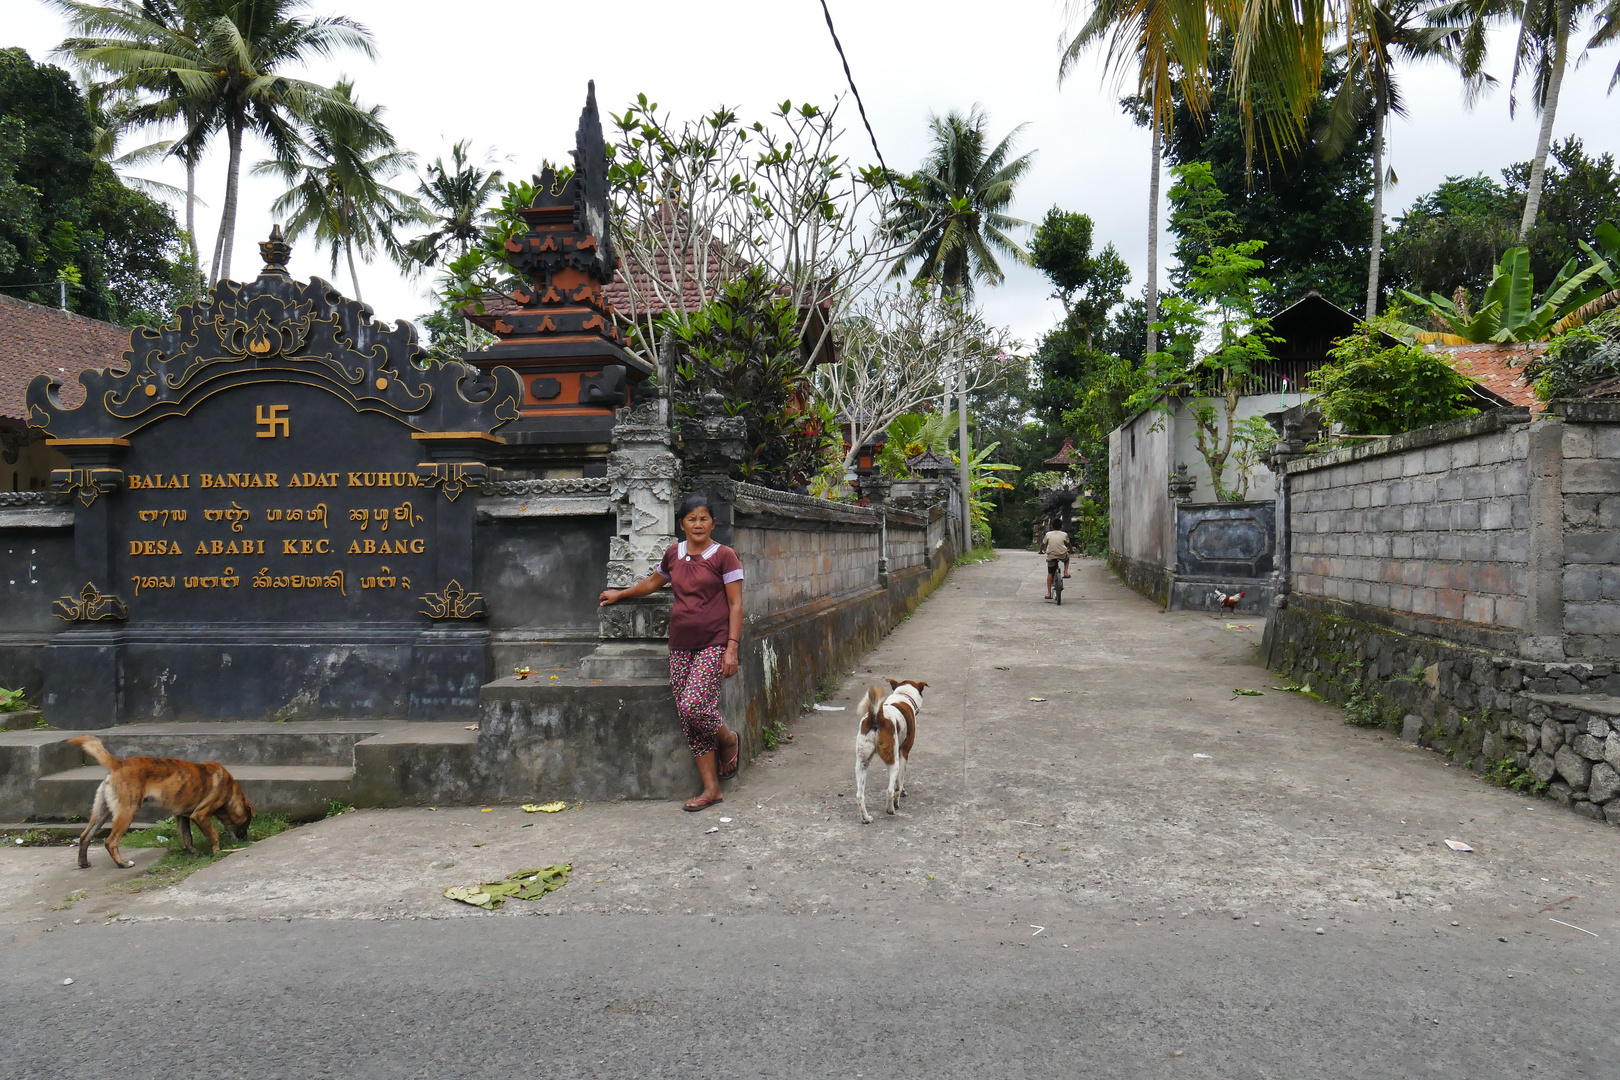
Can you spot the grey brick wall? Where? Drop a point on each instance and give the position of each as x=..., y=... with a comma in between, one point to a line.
x=789, y=567
x=1438, y=530
x=1590, y=491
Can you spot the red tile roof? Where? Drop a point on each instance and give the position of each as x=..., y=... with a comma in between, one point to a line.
x=36, y=340
x=1497, y=367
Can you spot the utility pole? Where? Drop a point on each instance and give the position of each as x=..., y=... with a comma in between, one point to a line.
x=61, y=292
x=962, y=454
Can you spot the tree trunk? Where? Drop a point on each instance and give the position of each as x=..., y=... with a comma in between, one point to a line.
x=962, y=466
x=1549, y=113
x=227, y=218
x=1152, y=292
x=191, y=211
x=1379, y=119
x=348, y=250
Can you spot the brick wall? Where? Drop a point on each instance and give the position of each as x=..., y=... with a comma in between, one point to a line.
x=789, y=567
x=1434, y=524
x=1589, y=494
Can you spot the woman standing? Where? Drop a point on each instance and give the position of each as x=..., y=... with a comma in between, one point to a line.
x=705, y=624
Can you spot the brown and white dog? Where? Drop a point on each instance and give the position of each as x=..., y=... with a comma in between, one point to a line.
x=192, y=791
x=888, y=728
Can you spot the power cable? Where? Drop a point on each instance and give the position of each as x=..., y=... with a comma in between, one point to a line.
x=859, y=104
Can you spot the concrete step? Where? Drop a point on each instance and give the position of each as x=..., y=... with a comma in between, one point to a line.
x=301, y=792
x=306, y=742
x=1596, y=704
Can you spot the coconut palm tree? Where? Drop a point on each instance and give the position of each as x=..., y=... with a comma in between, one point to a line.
x=223, y=62
x=1167, y=43
x=336, y=180
x=455, y=200
x=1389, y=32
x=951, y=215
x=1541, y=53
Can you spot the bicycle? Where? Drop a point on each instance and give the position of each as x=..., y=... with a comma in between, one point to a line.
x=1054, y=567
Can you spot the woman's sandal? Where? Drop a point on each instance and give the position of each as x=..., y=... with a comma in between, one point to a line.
x=693, y=805
x=731, y=765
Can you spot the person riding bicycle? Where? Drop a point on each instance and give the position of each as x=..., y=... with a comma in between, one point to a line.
x=1055, y=546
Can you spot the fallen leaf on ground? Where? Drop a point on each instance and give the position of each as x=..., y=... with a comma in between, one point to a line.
x=1240, y=626
x=522, y=884
x=544, y=808
x=1241, y=692
x=1037, y=699
x=472, y=727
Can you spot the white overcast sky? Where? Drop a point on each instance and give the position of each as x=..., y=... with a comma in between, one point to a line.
x=511, y=77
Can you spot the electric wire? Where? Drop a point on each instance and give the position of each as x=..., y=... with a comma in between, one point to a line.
x=859, y=104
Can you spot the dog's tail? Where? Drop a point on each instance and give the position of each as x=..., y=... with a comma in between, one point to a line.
x=869, y=706
x=92, y=746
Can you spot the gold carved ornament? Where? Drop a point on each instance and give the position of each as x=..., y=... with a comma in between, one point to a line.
x=453, y=603
x=91, y=605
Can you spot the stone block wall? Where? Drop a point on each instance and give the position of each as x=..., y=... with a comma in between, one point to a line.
x=1547, y=728
x=1433, y=524
x=1589, y=491
x=789, y=567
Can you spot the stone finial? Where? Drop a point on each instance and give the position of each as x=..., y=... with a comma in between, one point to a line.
x=1182, y=485
x=275, y=252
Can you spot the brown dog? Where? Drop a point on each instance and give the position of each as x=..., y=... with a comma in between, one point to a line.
x=888, y=728
x=191, y=791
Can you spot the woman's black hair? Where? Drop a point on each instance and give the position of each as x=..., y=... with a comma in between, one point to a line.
x=695, y=501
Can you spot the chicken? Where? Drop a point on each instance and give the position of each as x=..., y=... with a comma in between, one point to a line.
x=1229, y=601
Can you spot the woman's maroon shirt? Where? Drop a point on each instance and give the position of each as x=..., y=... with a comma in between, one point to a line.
x=700, y=617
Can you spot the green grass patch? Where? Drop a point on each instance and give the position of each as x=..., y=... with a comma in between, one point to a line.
x=179, y=864
x=1506, y=773
x=334, y=807
x=977, y=555
x=70, y=899
x=774, y=734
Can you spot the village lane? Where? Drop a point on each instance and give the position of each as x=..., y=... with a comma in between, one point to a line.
x=1105, y=852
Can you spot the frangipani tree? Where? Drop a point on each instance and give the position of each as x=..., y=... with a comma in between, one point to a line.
x=901, y=348
x=698, y=202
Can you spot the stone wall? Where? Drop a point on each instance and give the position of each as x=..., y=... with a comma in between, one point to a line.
x=1460, y=585
x=1434, y=523
x=1550, y=728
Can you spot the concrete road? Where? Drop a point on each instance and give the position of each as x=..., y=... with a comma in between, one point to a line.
x=1059, y=782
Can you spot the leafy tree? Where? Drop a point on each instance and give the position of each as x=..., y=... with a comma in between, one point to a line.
x=1314, y=215
x=744, y=344
x=222, y=64
x=67, y=216
x=952, y=218
x=1090, y=286
x=1455, y=235
x=1216, y=339
x=1575, y=360
x=1377, y=385
x=337, y=172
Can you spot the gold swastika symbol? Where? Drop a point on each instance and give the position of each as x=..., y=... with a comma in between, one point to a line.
x=272, y=421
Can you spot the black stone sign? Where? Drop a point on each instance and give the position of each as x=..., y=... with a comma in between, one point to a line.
x=274, y=509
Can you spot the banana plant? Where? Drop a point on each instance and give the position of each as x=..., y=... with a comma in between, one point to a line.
x=1510, y=310
x=982, y=480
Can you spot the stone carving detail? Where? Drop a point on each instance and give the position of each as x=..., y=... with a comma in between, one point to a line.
x=301, y=331
x=643, y=619
x=1182, y=485
x=642, y=474
x=714, y=443
x=35, y=498
x=88, y=484
x=91, y=605
x=453, y=602
x=567, y=485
